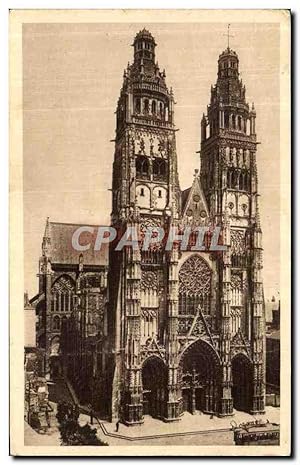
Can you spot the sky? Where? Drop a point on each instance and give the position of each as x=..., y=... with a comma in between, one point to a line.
x=72, y=75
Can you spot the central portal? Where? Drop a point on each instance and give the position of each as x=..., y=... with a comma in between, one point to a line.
x=154, y=377
x=199, y=369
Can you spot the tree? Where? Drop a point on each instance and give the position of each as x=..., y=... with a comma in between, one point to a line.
x=71, y=433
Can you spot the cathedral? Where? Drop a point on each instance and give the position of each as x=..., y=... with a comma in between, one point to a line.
x=181, y=330
x=186, y=329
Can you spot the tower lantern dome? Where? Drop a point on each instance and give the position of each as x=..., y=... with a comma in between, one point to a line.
x=228, y=64
x=144, y=45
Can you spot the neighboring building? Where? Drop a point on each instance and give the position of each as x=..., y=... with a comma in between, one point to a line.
x=273, y=357
x=276, y=317
x=185, y=329
x=34, y=356
x=65, y=275
x=272, y=311
x=273, y=362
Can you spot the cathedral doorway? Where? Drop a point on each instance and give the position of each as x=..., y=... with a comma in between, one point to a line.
x=199, y=372
x=241, y=383
x=154, y=378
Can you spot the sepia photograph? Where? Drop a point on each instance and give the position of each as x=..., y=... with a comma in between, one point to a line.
x=150, y=187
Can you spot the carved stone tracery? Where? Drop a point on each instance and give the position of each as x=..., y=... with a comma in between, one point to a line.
x=238, y=242
x=236, y=282
x=63, y=284
x=149, y=280
x=195, y=277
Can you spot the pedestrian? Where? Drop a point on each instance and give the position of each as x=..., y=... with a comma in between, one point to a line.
x=117, y=426
x=47, y=417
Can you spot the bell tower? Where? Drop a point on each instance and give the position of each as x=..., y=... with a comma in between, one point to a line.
x=230, y=184
x=145, y=162
x=145, y=193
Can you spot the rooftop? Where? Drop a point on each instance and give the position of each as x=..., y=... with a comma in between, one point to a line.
x=63, y=252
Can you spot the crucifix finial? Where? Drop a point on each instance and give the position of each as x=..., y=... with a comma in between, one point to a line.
x=228, y=35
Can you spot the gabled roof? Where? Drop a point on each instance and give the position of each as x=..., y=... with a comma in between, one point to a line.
x=62, y=251
x=194, y=207
x=35, y=300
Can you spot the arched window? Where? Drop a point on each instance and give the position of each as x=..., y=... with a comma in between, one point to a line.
x=233, y=121
x=146, y=106
x=161, y=110
x=244, y=183
x=138, y=105
x=229, y=179
x=142, y=167
x=153, y=107
x=234, y=179
x=159, y=169
x=63, y=294
x=194, y=286
x=167, y=113
x=56, y=323
x=241, y=181
x=239, y=123
x=226, y=119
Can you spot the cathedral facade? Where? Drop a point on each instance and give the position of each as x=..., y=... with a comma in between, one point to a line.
x=157, y=330
x=185, y=329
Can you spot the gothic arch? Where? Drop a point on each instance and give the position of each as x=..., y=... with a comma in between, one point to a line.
x=154, y=381
x=56, y=323
x=142, y=166
x=62, y=294
x=161, y=109
x=146, y=106
x=153, y=356
x=241, y=368
x=159, y=168
x=65, y=281
x=153, y=107
x=199, y=377
x=239, y=123
x=209, y=348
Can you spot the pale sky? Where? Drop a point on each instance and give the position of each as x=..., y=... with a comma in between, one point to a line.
x=72, y=75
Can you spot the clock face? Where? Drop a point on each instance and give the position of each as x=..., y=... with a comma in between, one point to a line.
x=196, y=198
x=203, y=213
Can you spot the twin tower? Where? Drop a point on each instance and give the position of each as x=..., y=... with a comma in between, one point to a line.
x=185, y=329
